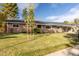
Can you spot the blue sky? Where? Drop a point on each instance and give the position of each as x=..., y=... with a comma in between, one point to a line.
x=55, y=12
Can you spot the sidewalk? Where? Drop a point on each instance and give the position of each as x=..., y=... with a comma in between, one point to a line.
x=66, y=52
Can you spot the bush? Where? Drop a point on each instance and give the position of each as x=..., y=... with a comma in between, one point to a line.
x=78, y=34
x=37, y=30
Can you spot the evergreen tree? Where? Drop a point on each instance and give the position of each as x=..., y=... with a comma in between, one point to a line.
x=7, y=11
x=76, y=21
x=66, y=22
x=24, y=13
x=2, y=24
x=10, y=9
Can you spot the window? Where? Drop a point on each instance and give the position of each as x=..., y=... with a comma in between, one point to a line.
x=15, y=25
x=39, y=26
x=0, y=25
x=48, y=27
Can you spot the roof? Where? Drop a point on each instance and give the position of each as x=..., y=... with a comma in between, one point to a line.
x=55, y=23
x=48, y=23
x=42, y=23
x=15, y=21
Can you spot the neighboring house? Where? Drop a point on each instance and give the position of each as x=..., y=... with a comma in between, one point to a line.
x=17, y=26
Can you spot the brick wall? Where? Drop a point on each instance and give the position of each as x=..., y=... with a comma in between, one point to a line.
x=12, y=29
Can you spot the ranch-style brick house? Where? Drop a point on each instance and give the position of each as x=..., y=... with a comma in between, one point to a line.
x=17, y=26
x=14, y=26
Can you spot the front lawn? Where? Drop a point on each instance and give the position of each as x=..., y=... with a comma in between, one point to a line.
x=32, y=45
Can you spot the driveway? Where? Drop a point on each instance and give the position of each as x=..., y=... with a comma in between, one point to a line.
x=71, y=51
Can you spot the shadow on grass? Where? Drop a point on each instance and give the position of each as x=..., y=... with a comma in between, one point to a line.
x=73, y=38
x=75, y=44
x=7, y=36
x=45, y=51
x=42, y=52
x=38, y=52
x=12, y=46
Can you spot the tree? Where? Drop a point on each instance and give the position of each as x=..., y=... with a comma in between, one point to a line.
x=29, y=18
x=76, y=21
x=7, y=11
x=66, y=22
x=2, y=19
x=24, y=13
x=10, y=9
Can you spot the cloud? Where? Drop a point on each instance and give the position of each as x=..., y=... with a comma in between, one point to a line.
x=54, y=5
x=26, y=5
x=69, y=16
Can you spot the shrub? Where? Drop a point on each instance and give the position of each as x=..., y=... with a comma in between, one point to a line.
x=37, y=30
x=78, y=34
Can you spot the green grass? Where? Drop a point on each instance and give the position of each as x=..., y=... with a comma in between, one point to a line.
x=32, y=45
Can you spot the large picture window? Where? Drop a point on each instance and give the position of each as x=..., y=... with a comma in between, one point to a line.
x=48, y=27
x=39, y=26
x=15, y=25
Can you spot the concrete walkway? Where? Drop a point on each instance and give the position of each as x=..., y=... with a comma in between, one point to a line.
x=74, y=51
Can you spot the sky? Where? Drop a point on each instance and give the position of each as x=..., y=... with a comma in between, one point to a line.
x=53, y=12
